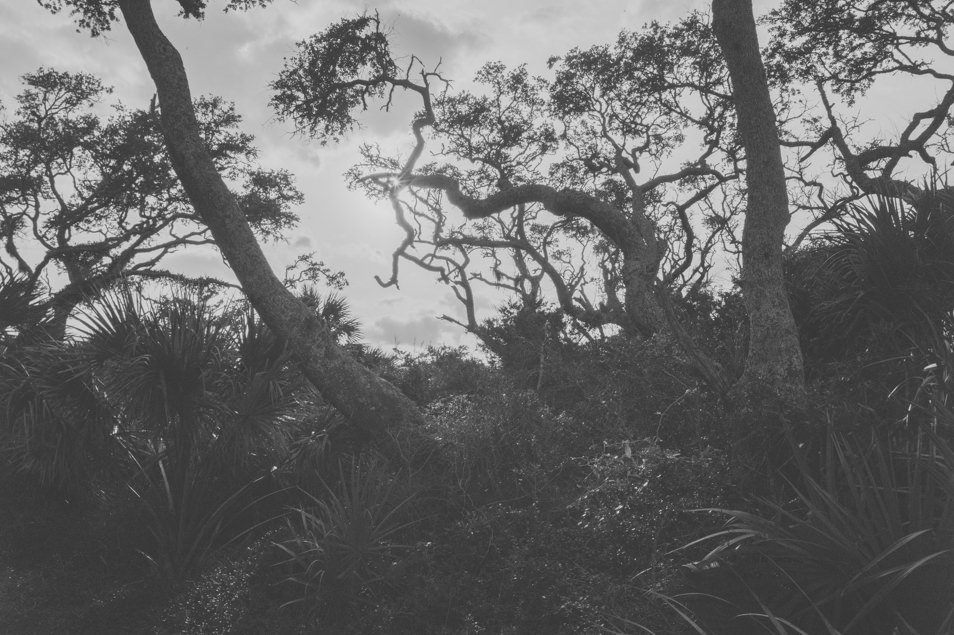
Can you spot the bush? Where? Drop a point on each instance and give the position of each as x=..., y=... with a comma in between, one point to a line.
x=341, y=546
x=866, y=544
x=54, y=428
x=500, y=569
x=626, y=388
x=440, y=372
x=536, y=564
x=504, y=445
x=639, y=501
x=194, y=513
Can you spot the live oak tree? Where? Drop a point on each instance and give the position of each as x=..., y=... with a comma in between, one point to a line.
x=626, y=159
x=832, y=55
x=367, y=400
x=499, y=163
x=97, y=200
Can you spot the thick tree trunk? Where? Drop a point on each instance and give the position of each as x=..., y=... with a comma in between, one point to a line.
x=56, y=326
x=368, y=401
x=644, y=313
x=774, y=360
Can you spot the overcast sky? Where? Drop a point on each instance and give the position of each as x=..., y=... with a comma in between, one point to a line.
x=236, y=55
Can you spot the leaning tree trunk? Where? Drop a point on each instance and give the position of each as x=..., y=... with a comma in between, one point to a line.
x=774, y=361
x=366, y=400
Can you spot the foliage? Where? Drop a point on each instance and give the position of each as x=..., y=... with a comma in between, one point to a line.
x=633, y=389
x=440, y=372
x=342, y=545
x=865, y=545
x=500, y=446
x=172, y=395
x=850, y=43
x=196, y=515
x=881, y=280
x=20, y=307
x=97, y=16
x=332, y=74
x=522, y=336
x=54, y=428
x=186, y=377
x=501, y=569
x=202, y=403
x=526, y=566
x=637, y=500
x=218, y=601
x=334, y=311
x=97, y=198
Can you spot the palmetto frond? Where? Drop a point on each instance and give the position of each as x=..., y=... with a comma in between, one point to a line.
x=888, y=276
x=54, y=423
x=335, y=312
x=19, y=305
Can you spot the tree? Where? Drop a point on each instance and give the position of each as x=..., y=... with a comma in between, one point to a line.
x=774, y=358
x=831, y=54
x=547, y=174
x=98, y=200
x=365, y=399
x=619, y=110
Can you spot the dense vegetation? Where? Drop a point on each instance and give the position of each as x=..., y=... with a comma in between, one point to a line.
x=643, y=454
x=169, y=470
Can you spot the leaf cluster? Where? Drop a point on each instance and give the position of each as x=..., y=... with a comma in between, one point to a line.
x=333, y=73
x=849, y=44
x=98, y=16
x=97, y=197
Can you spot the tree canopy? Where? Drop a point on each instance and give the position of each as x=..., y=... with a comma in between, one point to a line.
x=98, y=16
x=96, y=198
x=614, y=181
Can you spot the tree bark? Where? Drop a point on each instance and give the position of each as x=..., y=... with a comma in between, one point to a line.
x=366, y=400
x=774, y=361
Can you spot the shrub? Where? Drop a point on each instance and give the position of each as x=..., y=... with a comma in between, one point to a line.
x=440, y=372
x=54, y=428
x=505, y=444
x=880, y=282
x=633, y=388
x=500, y=569
x=517, y=570
x=193, y=513
x=342, y=545
x=866, y=544
x=638, y=499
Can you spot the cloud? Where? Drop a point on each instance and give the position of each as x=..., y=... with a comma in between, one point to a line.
x=31, y=36
x=418, y=331
x=302, y=242
x=196, y=262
